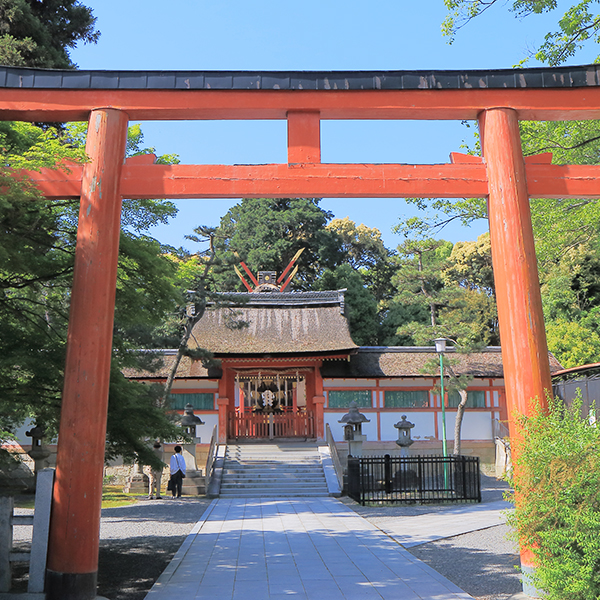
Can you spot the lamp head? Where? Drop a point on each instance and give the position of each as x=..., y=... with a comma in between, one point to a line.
x=440, y=345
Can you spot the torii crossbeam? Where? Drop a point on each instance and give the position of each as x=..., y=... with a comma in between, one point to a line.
x=110, y=99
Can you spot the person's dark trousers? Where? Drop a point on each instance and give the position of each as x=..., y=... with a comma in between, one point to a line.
x=177, y=483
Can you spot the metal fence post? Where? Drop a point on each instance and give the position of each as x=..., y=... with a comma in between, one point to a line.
x=354, y=482
x=387, y=473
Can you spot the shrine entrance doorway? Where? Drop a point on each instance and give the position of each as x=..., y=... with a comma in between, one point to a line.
x=271, y=406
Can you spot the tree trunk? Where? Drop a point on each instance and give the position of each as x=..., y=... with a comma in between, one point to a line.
x=460, y=411
x=199, y=310
x=188, y=328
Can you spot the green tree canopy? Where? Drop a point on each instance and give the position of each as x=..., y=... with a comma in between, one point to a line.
x=37, y=245
x=579, y=26
x=266, y=234
x=361, y=306
x=443, y=291
x=363, y=249
x=40, y=34
x=35, y=33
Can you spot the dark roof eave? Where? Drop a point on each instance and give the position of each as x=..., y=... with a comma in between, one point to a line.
x=577, y=76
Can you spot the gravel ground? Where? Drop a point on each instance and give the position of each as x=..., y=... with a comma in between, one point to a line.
x=482, y=563
x=138, y=542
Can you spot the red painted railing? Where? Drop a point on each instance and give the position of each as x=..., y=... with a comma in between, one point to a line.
x=270, y=426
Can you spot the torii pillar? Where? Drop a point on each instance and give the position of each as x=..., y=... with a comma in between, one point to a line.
x=75, y=525
x=520, y=317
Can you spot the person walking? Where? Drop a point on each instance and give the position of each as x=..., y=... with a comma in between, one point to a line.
x=155, y=482
x=177, y=466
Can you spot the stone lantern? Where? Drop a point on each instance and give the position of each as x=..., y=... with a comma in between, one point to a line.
x=404, y=435
x=189, y=421
x=39, y=451
x=194, y=480
x=353, y=421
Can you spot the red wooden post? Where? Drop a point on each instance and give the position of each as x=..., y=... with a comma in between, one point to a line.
x=75, y=526
x=520, y=316
x=304, y=137
x=521, y=320
x=223, y=403
x=319, y=403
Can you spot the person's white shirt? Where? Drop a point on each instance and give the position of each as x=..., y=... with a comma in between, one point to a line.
x=177, y=463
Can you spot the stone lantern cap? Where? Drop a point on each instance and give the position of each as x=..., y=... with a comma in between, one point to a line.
x=37, y=432
x=404, y=424
x=189, y=418
x=353, y=416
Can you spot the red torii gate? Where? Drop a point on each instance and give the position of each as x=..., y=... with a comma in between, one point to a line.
x=108, y=100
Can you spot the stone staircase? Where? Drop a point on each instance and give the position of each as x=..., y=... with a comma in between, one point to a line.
x=284, y=469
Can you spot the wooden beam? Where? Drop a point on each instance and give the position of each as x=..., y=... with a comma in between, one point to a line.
x=462, y=179
x=47, y=105
x=304, y=137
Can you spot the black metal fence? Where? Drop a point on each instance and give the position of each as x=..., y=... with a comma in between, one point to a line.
x=412, y=479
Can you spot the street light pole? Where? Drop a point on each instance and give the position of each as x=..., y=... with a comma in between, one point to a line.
x=440, y=348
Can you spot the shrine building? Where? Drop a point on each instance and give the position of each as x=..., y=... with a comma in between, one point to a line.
x=285, y=367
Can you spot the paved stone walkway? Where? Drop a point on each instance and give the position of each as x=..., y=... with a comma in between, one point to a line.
x=415, y=530
x=306, y=549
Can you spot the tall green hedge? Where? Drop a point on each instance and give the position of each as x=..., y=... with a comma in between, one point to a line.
x=557, y=484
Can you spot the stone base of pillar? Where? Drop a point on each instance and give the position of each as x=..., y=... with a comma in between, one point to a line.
x=71, y=586
x=529, y=588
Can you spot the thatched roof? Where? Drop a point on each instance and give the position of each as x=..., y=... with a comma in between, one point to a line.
x=407, y=361
x=276, y=323
x=188, y=368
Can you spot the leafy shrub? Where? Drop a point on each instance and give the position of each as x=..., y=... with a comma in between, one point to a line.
x=557, y=485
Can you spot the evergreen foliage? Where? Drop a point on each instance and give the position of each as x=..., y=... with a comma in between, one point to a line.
x=450, y=290
x=40, y=33
x=266, y=233
x=360, y=305
x=37, y=246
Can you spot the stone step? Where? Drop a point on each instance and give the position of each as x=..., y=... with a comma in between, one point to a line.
x=275, y=464
x=249, y=494
x=275, y=455
x=280, y=482
x=272, y=476
x=271, y=473
x=264, y=454
x=272, y=488
x=270, y=470
x=276, y=488
x=233, y=467
x=270, y=448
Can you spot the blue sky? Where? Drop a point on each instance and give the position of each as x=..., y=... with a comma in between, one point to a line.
x=308, y=35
